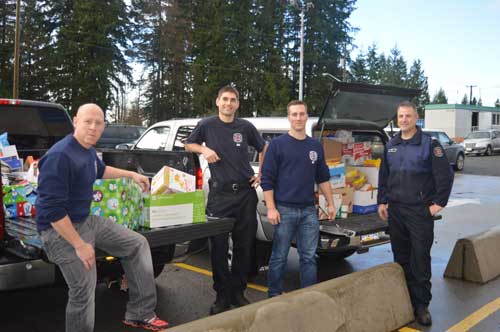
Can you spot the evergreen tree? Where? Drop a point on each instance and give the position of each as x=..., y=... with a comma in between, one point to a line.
x=373, y=64
x=89, y=60
x=465, y=100
x=418, y=80
x=440, y=97
x=359, y=69
x=497, y=103
x=35, y=51
x=473, y=101
x=327, y=34
x=395, y=69
x=480, y=102
x=7, y=32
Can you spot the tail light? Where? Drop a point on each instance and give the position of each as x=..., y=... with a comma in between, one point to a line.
x=199, y=178
x=10, y=102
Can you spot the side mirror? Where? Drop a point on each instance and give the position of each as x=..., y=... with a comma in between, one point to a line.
x=123, y=146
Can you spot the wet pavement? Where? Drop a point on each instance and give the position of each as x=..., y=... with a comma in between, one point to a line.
x=185, y=295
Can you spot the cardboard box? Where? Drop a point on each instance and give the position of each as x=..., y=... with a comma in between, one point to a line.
x=119, y=200
x=356, y=153
x=337, y=176
x=365, y=202
x=171, y=180
x=176, y=209
x=332, y=149
x=370, y=172
x=347, y=196
x=337, y=201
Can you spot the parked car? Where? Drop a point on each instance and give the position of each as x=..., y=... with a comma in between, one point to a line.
x=119, y=133
x=482, y=142
x=455, y=152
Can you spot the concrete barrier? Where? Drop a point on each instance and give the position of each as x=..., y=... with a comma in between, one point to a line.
x=373, y=300
x=476, y=258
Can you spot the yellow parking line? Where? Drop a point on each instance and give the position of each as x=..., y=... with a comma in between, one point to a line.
x=209, y=273
x=408, y=329
x=477, y=316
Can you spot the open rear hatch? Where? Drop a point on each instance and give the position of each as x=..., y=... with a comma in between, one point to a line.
x=357, y=106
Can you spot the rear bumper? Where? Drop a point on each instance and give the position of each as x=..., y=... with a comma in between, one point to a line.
x=26, y=273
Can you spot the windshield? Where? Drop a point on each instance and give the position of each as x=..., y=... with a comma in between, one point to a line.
x=478, y=134
x=123, y=132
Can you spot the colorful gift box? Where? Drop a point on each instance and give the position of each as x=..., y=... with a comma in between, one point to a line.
x=119, y=200
x=170, y=180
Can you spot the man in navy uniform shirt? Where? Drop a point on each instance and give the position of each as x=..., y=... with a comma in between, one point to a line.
x=232, y=193
x=70, y=234
x=294, y=162
x=415, y=182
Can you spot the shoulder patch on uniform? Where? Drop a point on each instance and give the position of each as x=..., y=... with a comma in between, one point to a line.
x=438, y=151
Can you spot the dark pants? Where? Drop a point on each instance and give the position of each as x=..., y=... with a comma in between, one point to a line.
x=412, y=232
x=242, y=206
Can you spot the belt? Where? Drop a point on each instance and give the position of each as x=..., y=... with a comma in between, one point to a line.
x=229, y=187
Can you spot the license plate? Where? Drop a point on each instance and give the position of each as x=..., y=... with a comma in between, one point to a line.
x=370, y=237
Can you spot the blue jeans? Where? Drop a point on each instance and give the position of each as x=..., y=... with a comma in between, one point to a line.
x=303, y=224
x=133, y=250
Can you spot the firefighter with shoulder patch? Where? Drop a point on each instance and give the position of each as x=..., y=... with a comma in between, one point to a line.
x=415, y=182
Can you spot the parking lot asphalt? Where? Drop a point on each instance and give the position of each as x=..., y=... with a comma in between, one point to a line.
x=185, y=293
x=482, y=165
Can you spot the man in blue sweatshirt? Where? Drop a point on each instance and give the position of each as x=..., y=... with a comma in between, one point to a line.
x=293, y=163
x=69, y=234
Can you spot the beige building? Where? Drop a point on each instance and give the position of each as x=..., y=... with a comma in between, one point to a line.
x=458, y=120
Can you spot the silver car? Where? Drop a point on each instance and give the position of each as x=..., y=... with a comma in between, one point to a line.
x=454, y=152
x=482, y=142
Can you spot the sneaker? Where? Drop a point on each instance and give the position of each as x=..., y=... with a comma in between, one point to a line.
x=239, y=300
x=221, y=304
x=423, y=316
x=153, y=324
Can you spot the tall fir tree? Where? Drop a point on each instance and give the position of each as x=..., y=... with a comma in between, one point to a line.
x=327, y=35
x=465, y=100
x=373, y=64
x=359, y=69
x=7, y=31
x=417, y=80
x=91, y=39
x=440, y=97
x=35, y=51
x=473, y=101
x=497, y=103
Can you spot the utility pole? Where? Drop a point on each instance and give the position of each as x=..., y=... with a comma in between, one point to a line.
x=15, y=85
x=470, y=96
x=303, y=8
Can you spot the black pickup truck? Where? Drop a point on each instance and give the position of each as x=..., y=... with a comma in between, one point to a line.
x=33, y=127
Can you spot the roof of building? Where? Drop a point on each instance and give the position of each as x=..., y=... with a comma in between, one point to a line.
x=461, y=107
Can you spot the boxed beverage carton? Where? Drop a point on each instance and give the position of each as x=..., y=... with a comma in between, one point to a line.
x=347, y=194
x=176, y=209
x=356, y=153
x=119, y=200
x=171, y=180
x=365, y=202
x=337, y=175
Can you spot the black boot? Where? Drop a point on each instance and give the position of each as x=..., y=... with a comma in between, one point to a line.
x=221, y=304
x=238, y=299
x=423, y=316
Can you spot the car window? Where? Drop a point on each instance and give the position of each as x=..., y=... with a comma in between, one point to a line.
x=443, y=138
x=154, y=139
x=182, y=134
x=478, y=134
x=268, y=137
x=122, y=132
